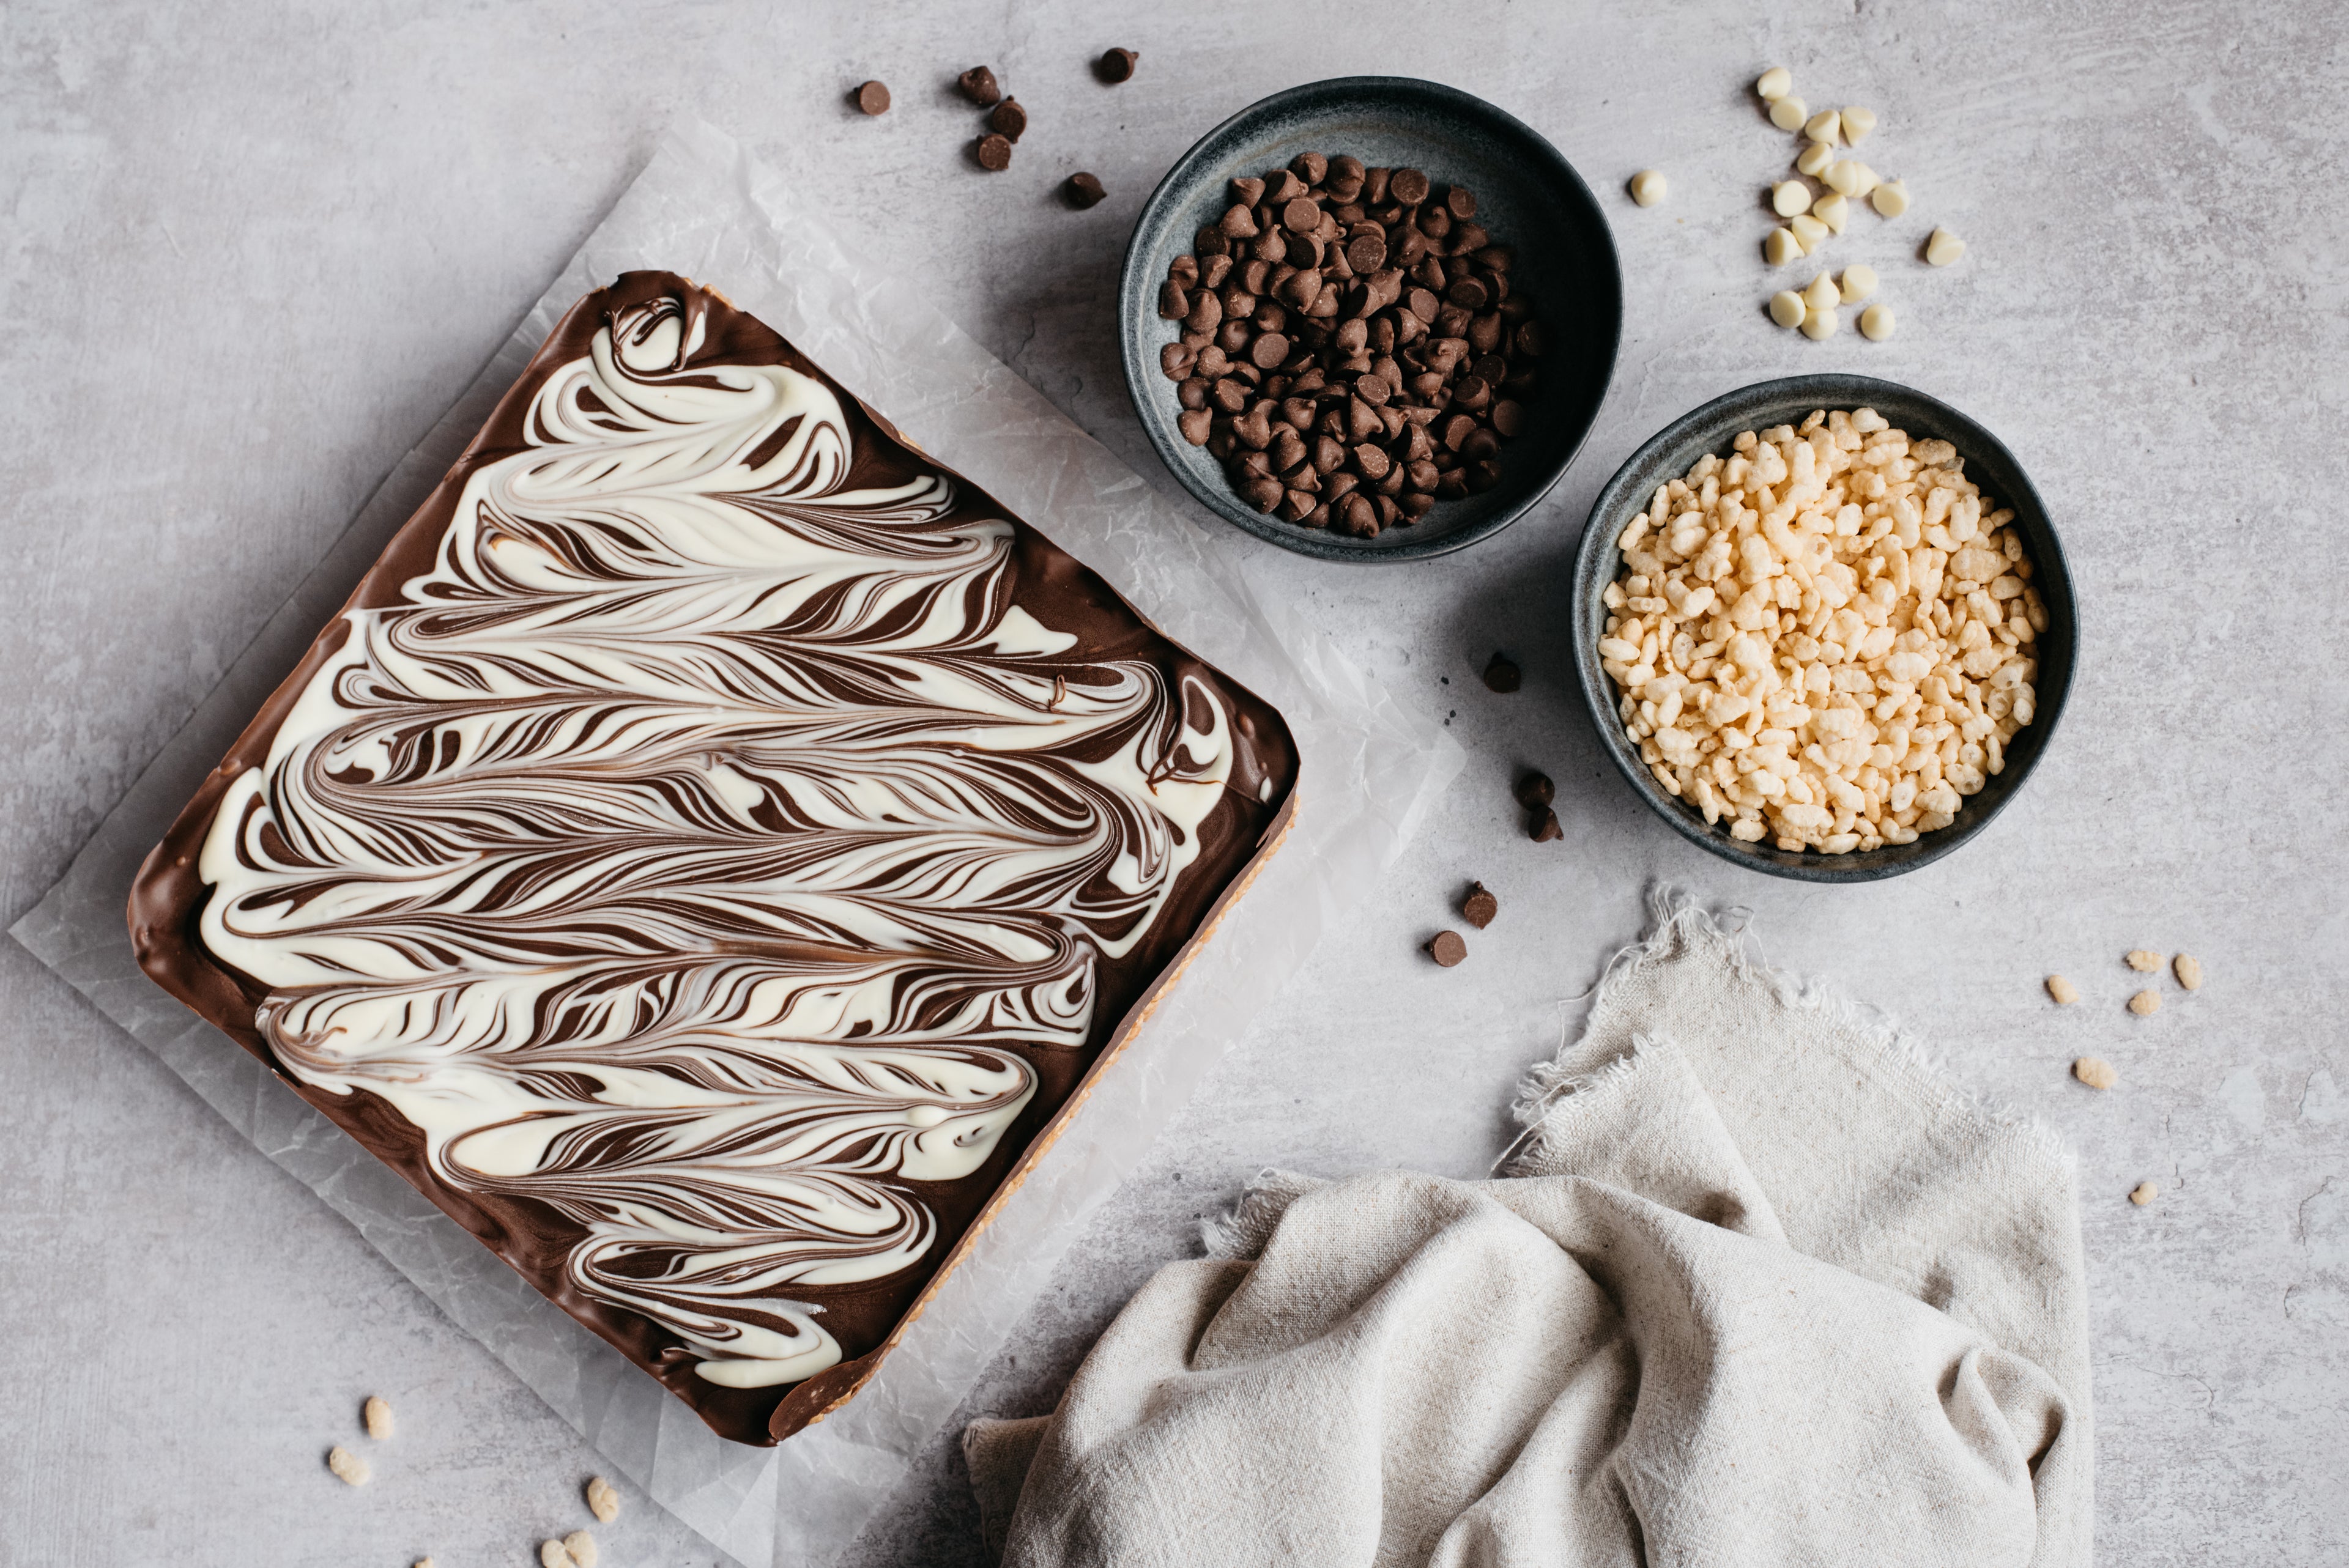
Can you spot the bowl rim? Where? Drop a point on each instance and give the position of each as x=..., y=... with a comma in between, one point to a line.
x=1140, y=377
x=1710, y=423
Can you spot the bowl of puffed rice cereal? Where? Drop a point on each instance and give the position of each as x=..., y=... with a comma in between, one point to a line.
x=1824, y=626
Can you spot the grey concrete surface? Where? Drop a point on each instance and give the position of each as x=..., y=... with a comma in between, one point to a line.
x=253, y=250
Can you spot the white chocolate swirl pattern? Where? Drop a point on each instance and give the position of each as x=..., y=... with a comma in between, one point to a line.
x=684, y=849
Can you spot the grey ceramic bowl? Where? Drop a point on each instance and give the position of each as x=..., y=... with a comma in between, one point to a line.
x=1528, y=196
x=1672, y=452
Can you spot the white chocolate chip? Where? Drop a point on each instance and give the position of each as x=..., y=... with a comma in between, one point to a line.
x=1789, y=197
x=1862, y=179
x=351, y=1469
x=602, y=1499
x=1822, y=294
x=1891, y=199
x=1824, y=126
x=1942, y=248
x=1819, y=324
x=2063, y=990
x=1786, y=307
x=2143, y=960
x=1814, y=158
x=1780, y=248
x=1876, y=322
x=2144, y=1003
x=1808, y=232
x=1858, y=122
x=1832, y=210
x=377, y=1417
x=2144, y=1193
x=2095, y=1072
x=1789, y=112
x=1858, y=282
x=1776, y=83
x=2189, y=970
x=581, y=1546
x=1647, y=188
x=1839, y=177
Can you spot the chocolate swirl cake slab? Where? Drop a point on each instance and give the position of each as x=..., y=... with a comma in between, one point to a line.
x=712, y=852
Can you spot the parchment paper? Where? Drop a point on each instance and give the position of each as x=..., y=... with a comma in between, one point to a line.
x=705, y=208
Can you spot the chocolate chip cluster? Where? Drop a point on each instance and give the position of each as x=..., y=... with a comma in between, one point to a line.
x=1352, y=350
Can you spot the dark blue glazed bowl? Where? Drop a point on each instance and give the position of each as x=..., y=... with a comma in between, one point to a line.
x=1528, y=196
x=1671, y=452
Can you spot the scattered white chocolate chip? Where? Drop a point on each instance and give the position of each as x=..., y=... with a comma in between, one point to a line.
x=424, y=1562
x=2189, y=970
x=1647, y=188
x=1841, y=178
x=581, y=1548
x=1786, y=306
x=602, y=1499
x=1891, y=199
x=2063, y=990
x=1822, y=294
x=1832, y=210
x=1858, y=122
x=1942, y=248
x=2143, y=960
x=1818, y=325
x=1780, y=248
x=551, y=1554
x=348, y=1468
x=1789, y=112
x=1876, y=322
x=1789, y=197
x=2095, y=1072
x=1824, y=126
x=1863, y=178
x=1776, y=83
x=377, y=1417
x=2144, y=1193
x=1814, y=158
x=1858, y=282
x=2144, y=1003
x=1808, y=232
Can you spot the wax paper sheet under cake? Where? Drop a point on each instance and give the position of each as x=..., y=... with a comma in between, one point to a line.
x=1371, y=766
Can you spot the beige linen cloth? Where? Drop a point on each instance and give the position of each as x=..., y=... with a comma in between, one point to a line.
x=1760, y=1288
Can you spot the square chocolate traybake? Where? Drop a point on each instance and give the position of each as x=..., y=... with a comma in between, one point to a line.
x=711, y=850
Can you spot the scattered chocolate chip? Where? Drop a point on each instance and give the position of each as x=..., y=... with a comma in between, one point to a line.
x=994, y=154
x=1009, y=120
x=1542, y=826
x=1502, y=675
x=978, y=84
x=1084, y=190
x=872, y=98
x=1535, y=789
x=1117, y=65
x=1447, y=948
x=1480, y=906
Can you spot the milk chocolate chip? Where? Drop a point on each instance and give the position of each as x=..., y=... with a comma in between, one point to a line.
x=978, y=84
x=1009, y=120
x=1447, y=948
x=1480, y=906
x=1084, y=190
x=994, y=155
x=1502, y=675
x=872, y=98
x=1535, y=790
x=1117, y=65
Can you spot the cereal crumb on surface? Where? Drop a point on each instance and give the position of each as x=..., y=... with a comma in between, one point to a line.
x=581, y=1547
x=552, y=1553
x=2144, y=1193
x=2095, y=1072
x=377, y=1417
x=348, y=1468
x=2189, y=970
x=2143, y=960
x=2144, y=1003
x=602, y=1499
x=2063, y=990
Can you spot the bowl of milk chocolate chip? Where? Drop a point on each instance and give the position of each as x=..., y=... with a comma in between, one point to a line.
x=1371, y=318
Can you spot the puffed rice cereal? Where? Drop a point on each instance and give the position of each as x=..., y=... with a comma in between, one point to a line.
x=1826, y=639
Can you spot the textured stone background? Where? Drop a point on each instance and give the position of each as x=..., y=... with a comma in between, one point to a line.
x=252, y=250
